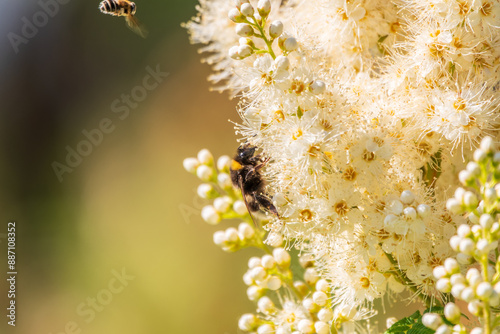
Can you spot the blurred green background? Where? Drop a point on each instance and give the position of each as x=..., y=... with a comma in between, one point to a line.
x=122, y=206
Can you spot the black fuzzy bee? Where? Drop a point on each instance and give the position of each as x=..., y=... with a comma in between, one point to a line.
x=245, y=175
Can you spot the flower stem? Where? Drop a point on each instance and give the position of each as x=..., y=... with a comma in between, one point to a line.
x=263, y=35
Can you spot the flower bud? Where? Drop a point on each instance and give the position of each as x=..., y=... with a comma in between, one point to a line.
x=490, y=195
x=247, y=322
x=486, y=221
x=473, y=168
x=467, y=294
x=321, y=327
x=443, y=329
x=191, y=164
x=266, y=305
x=309, y=305
x=322, y=285
x=301, y=288
x=457, y=289
x=274, y=239
x=494, y=299
x=219, y=238
x=453, y=206
x=463, y=231
x=223, y=163
x=290, y=44
x=210, y=215
x=282, y=257
x=224, y=180
x=311, y=276
x=407, y=197
x=455, y=242
x=320, y=298
x=451, y=266
x=206, y=191
x=390, y=321
x=487, y=144
x=240, y=208
x=484, y=290
x=466, y=246
x=282, y=63
x=268, y=261
x=470, y=199
x=424, y=210
x=265, y=329
x=244, y=30
x=317, y=87
x=273, y=283
x=305, y=326
x=325, y=314
x=410, y=213
x=439, y=272
x=222, y=204
x=431, y=320
x=477, y=330
x=457, y=279
x=465, y=177
x=232, y=235
x=247, y=9
x=452, y=312
x=258, y=273
x=475, y=307
x=459, y=194
x=264, y=8
x=238, y=3
x=246, y=231
x=254, y=261
x=275, y=29
x=205, y=157
x=233, y=52
x=443, y=285
x=254, y=292
x=235, y=15
x=479, y=155
x=244, y=51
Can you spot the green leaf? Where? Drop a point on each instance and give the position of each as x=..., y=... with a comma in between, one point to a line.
x=405, y=325
x=410, y=325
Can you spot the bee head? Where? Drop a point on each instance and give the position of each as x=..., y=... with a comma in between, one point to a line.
x=132, y=8
x=246, y=151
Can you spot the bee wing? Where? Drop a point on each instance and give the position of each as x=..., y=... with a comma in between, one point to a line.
x=240, y=183
x=136, y=26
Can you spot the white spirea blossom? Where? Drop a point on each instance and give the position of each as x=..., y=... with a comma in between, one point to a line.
x=363, y=112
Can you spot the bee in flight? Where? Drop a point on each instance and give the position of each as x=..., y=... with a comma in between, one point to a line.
x=245, y=175
x=124, y=8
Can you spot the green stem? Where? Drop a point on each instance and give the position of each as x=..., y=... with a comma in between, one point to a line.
x=263, y=35
x=403, y=279
x=487, y=310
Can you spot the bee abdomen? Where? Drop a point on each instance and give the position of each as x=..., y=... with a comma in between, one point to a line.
x=112, y=7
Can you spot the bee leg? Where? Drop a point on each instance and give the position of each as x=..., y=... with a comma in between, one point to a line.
x=266, y=203
x=262, y=163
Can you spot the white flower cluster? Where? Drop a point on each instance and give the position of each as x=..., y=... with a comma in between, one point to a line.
x=227, y=202
x=366, y=110
x=476, y=244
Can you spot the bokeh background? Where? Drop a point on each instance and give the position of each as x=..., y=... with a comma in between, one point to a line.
x=129, y=204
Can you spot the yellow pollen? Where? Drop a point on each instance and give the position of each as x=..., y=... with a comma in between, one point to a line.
x=306, y=215
x=365, y=282
x=341, y=208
